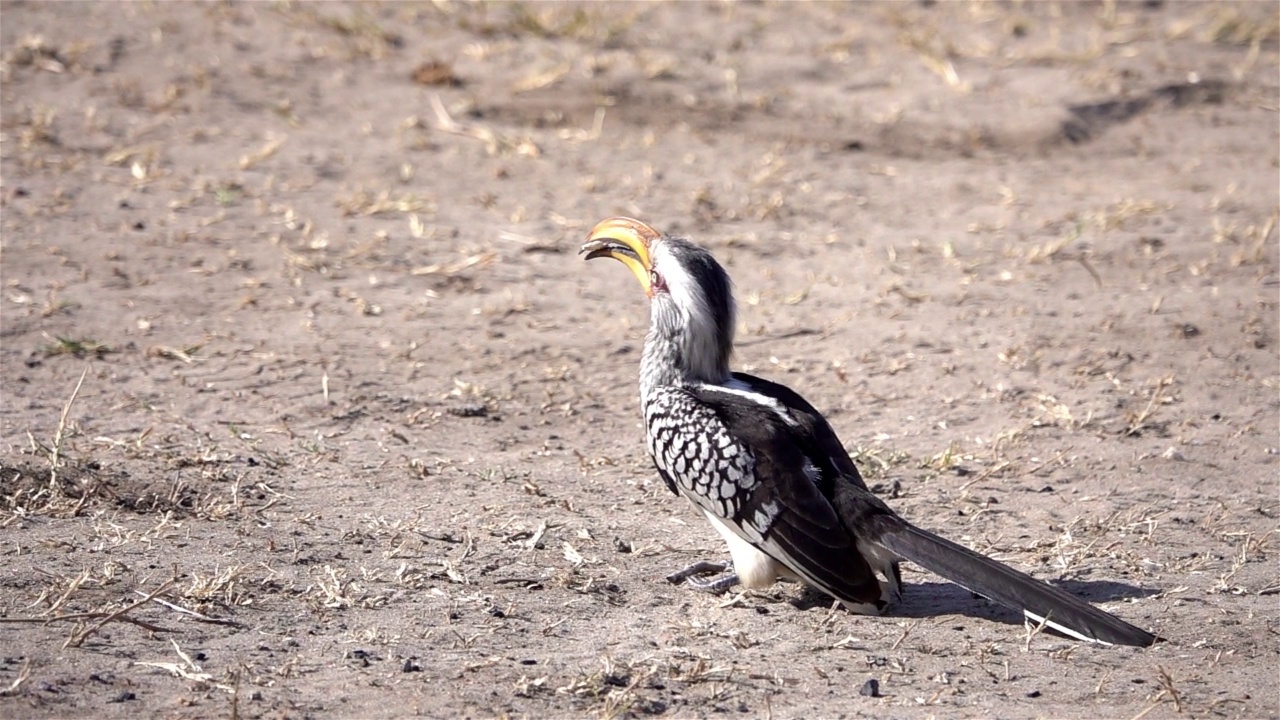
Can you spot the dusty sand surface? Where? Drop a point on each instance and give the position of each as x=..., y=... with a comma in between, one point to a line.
x=357, y=434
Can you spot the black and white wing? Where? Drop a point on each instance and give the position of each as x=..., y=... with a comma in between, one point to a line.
x=830, y=531
x=826, y=442
x=751, y=465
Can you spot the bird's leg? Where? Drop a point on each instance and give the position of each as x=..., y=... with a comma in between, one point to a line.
x=891, y=591
x=705, y=567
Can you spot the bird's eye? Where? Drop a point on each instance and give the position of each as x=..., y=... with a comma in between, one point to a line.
x=655, y=280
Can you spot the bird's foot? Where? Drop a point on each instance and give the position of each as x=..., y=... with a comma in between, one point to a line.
x=702, y=567
x=810, y=598
x=716, y=586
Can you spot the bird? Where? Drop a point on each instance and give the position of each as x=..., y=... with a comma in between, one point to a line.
x=770, y=474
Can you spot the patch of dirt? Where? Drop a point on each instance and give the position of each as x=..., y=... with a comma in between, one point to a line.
x=357, y=433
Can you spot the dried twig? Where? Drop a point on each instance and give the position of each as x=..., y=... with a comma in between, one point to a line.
x=76, y=639
x=56, y=453
x=23, y=674
x=188, y=669
x=1139, y=421
x=1166, y=683
x=1146, y=712
x=71, y=588
x=199, y=616
x=1034, y=631
x=905, y=632
x=85, y=616
x=457, y=266
x=494, y=144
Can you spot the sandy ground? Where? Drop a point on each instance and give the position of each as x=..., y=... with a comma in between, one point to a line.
x=311, y=410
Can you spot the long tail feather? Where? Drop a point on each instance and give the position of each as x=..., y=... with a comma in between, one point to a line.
x=1000, y=583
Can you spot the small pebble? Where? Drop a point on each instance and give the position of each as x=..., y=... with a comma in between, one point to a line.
x=469, y=410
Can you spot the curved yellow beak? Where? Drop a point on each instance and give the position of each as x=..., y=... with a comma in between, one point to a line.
x=625, y=240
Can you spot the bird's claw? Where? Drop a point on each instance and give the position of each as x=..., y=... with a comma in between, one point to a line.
x=702, y=567
x=689, y=575
x=715, y=586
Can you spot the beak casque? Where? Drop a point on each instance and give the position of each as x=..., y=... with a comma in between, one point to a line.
x=625, y=240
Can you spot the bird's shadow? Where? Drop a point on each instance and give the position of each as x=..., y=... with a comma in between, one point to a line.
x=933, y=599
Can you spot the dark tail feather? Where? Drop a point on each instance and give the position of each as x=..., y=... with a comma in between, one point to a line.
x=998, y=582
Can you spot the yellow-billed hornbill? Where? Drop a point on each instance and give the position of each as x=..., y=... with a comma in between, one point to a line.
x=768, y=471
